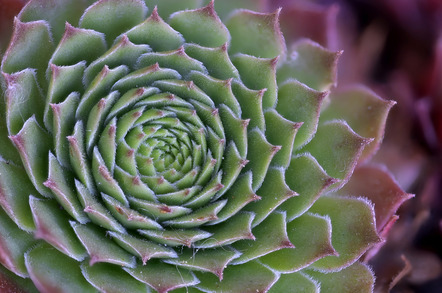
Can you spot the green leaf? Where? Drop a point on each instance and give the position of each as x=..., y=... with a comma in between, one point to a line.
x=100, y=248
x=337, y=149
x=251, y=105
x=176, y=237
x=31, y=47
x=311, y=64
x=209, y=260
x=305, y=176
x=219, y=90
x=98, y=88
x=13, y=244
x=201, y=26
x=78, y=157
x=167, y=7
x=258, y=74
x=299, y=103
x=238, y=227
x=128, y=217
x=113, y=17
x=62, y=188
x=298, y=282
x=22, y=89
x=96, y=119
x=198, y=217
x=145, y=250
x=311, y=236
x=55, y=13
x=63, y=125
x=52, y=225
x=256, y=34
x=52, y=271
x=216, y=60
x=176, y=60
x=124, y=52
x=111, y=278
x=15, y=189
x=163, y=277
x=273, y=192
x=78, y=45
x=250, y=277
x=285, y=136
x=96, y=212
x=364, y=111
x=33, y=145
x=238, y=196
x=104, y=180
x=156, y=33
x=353, y=230
x=157, y=210
x=356, y=278
x=271, y=235
x=259, y=155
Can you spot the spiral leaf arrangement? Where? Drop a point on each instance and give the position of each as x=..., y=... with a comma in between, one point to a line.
x=139, y=155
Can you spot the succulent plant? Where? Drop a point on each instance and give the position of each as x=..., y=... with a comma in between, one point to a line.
x=169, y=151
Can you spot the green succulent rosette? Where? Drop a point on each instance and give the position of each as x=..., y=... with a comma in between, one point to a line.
x=151, y=147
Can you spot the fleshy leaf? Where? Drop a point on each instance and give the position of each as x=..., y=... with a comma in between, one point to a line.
x=337, y=149
x=13, y=244
x=270, y=236
x=128, y=217
x=52, y=225
x=356, y=278
x=299, y=282
x=111, y=278
x=306, y=177
x=364, y=111
x=176, y=237
x=238, y=195
x=250, y=277
x=201, y=26
x=22, y=88
x=56, y=13
x=113, y=17
x=142, y=248
x=52, y=271
x=256, y=34
x=259, y=155
x=31, y=47
x=33, y=144
x=299, y=103
x=377, y=184
x=285, y=136
x=100, y=248
x=353, y=232
x=167, y=7
x=210, y=260
x=63, y=190
x=216, y=60
x=96, y=212
x=273, y=192
x=15, y=189
x=311, y=64
x=155, y=32
x=258, y=74
x=77, y=45
x=64, y=119
x=311, y=237
x=163, y=277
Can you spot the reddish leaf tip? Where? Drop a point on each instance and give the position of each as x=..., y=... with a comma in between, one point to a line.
x=155, y=16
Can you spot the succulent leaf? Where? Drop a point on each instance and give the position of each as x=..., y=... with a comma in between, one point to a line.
x=175, y=152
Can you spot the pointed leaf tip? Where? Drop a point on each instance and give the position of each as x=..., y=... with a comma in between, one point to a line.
x=257, y=34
